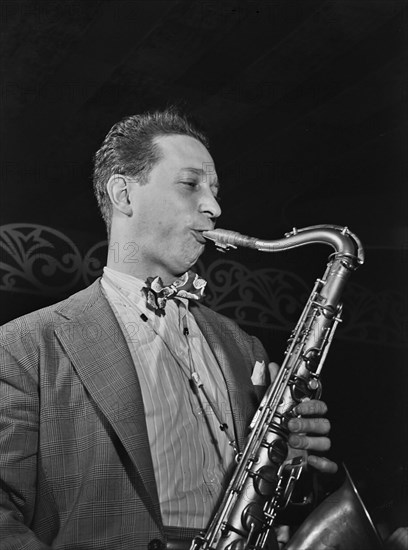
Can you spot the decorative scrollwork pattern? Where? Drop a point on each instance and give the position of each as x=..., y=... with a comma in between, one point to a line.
x=264, y=297
x=274, y=299
x=36, y=259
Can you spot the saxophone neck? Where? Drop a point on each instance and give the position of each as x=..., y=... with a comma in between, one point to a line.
x=344, y=242
x=340, y=238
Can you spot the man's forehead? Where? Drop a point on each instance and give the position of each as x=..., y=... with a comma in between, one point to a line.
x=207, y=169
x=187, y=155
x=187, y=150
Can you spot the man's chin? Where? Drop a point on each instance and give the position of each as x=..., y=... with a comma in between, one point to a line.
x=192, y=260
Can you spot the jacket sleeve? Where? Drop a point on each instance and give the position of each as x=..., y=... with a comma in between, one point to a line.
x=19, y=409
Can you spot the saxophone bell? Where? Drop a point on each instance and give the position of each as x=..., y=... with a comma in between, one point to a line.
x=340, y=521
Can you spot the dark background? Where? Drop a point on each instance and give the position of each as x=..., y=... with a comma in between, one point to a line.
x=305, y=104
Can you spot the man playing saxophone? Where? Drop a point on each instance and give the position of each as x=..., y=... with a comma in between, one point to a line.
x=123, y=407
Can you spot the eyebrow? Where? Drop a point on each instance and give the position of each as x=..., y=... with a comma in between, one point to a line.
x=201, y=172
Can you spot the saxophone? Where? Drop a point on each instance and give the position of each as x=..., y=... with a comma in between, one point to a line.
x=264, y=478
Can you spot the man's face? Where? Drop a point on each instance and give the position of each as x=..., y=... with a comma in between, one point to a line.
x=173, y=207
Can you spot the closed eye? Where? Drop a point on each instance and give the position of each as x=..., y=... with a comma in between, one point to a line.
x=191, y=183
x=195, y=183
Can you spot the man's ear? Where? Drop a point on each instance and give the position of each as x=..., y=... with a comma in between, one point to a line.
x=117, y=188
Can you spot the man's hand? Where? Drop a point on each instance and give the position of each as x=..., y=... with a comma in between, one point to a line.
x=309, y=434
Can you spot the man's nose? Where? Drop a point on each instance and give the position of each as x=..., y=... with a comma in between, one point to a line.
x=209, y=205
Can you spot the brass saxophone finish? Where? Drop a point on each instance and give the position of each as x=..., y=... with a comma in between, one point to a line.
x=263, y=480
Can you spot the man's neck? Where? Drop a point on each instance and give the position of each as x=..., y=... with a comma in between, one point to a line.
x=137, y=269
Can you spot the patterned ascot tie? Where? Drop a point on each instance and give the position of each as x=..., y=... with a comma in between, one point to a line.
x=189, y=285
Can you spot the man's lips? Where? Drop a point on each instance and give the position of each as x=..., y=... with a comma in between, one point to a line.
x=199, y=234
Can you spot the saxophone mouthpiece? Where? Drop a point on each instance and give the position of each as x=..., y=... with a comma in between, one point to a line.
x=225, y=239
x=221, y=239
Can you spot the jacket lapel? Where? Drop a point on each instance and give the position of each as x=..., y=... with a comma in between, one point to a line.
x=233, y=358
x=96, y=346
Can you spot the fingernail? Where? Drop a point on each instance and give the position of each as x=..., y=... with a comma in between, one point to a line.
x=294, y=425
x=295, y=441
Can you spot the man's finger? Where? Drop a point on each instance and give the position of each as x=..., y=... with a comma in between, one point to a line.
x=311, y=407
x=309, y=425
x=273, y=370
x=309, y=443
x=322, y=464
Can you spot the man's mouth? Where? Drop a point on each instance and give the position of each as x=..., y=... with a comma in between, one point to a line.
x=199, y=235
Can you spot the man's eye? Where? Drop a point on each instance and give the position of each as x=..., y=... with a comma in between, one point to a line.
x=191, y=183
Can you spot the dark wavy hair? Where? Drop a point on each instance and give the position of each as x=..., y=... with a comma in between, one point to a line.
x=129, y=149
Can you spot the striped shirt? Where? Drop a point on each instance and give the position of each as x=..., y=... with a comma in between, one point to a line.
x=190, y=454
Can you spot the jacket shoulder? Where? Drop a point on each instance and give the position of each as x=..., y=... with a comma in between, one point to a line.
x=48, y=318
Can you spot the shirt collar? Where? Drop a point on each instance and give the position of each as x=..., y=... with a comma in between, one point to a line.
x=127, y=283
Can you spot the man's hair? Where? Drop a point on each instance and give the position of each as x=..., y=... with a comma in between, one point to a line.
x=130, y=149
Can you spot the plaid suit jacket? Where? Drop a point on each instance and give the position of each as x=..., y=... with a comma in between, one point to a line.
x=75, y=464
